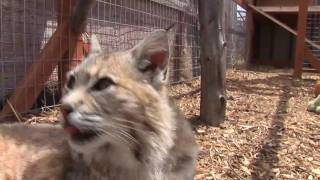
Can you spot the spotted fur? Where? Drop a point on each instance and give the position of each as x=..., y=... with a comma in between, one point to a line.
x=119, y=121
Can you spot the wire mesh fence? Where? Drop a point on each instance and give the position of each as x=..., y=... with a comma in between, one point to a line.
x=27, y=25
x=121, y=24
x=312, y=30
x=235, y=34
x=25, y=28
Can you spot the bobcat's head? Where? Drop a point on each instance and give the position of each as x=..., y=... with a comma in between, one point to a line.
x=119, y=97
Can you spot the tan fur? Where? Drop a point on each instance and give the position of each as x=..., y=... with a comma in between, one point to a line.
x=32, y=152
x=317, y=88
x=138, y=133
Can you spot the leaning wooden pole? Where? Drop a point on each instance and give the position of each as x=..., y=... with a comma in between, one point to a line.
x=33, y=83
x=64, y=39
x=213, y=62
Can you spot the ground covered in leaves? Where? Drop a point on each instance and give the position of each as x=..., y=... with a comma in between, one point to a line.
x=268, y=133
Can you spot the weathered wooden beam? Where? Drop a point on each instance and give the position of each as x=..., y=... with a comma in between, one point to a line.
x=308, y=54
x=64, y=13
x=31, y=86
x=273, y=19
x=300, y=43
x=213, y=62
x=72, y=58
x=315, y=63
x=276, y=21
x=286, y=9
x=294, y=32
x=64, y=10
x=64, y=44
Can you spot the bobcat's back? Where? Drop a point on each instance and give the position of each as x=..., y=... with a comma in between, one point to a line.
x=119, y=121
x=32, y=152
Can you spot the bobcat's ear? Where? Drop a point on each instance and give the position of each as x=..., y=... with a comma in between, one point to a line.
x=95, y=47
x=152, y=55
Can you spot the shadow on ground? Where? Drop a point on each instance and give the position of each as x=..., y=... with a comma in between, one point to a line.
x=266, y=158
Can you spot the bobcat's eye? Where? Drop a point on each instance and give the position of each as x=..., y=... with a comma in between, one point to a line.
x=71, y=82
x=102, y=83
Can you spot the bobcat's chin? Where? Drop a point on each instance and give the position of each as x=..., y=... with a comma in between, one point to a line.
x=81, y=136
x=79, y=131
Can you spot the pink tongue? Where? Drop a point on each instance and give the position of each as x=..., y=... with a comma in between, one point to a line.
x=72, y=130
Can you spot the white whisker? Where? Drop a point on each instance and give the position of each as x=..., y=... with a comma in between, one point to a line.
x=112, y=135
x=130, y=137
x=126, y=121
x=129, y=127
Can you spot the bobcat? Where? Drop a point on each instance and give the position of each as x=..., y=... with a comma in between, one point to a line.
x=117, y=124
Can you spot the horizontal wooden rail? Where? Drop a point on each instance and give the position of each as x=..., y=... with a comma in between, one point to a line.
x=286, y=9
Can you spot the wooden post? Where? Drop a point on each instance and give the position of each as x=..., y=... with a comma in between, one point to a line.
x=249, y=36
x=300, y=43
x=213, y=62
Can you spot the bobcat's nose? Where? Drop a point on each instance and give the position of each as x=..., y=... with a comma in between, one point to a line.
x=66, y=110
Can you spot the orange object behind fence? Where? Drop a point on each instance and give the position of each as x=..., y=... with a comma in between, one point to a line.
x=317, y=88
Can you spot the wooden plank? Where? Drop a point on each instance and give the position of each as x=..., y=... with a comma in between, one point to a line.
x=254, y=8
x=310, y=42
x=286, y=9
x=70, y=60
x=265, y=43
x=61, y=45
x=277, y=2
x=300, y=43
x=311, y=70
x=281, y=47
x=315, y=63
x=312, y=59
x=31, y=86
x=273, y=19
x=64, y=12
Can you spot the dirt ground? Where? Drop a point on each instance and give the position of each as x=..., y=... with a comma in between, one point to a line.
x=268, y=134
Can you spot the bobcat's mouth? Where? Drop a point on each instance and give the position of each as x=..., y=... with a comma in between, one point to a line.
x=80, y=135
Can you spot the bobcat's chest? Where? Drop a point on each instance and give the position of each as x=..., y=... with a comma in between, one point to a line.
x=107, y=162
